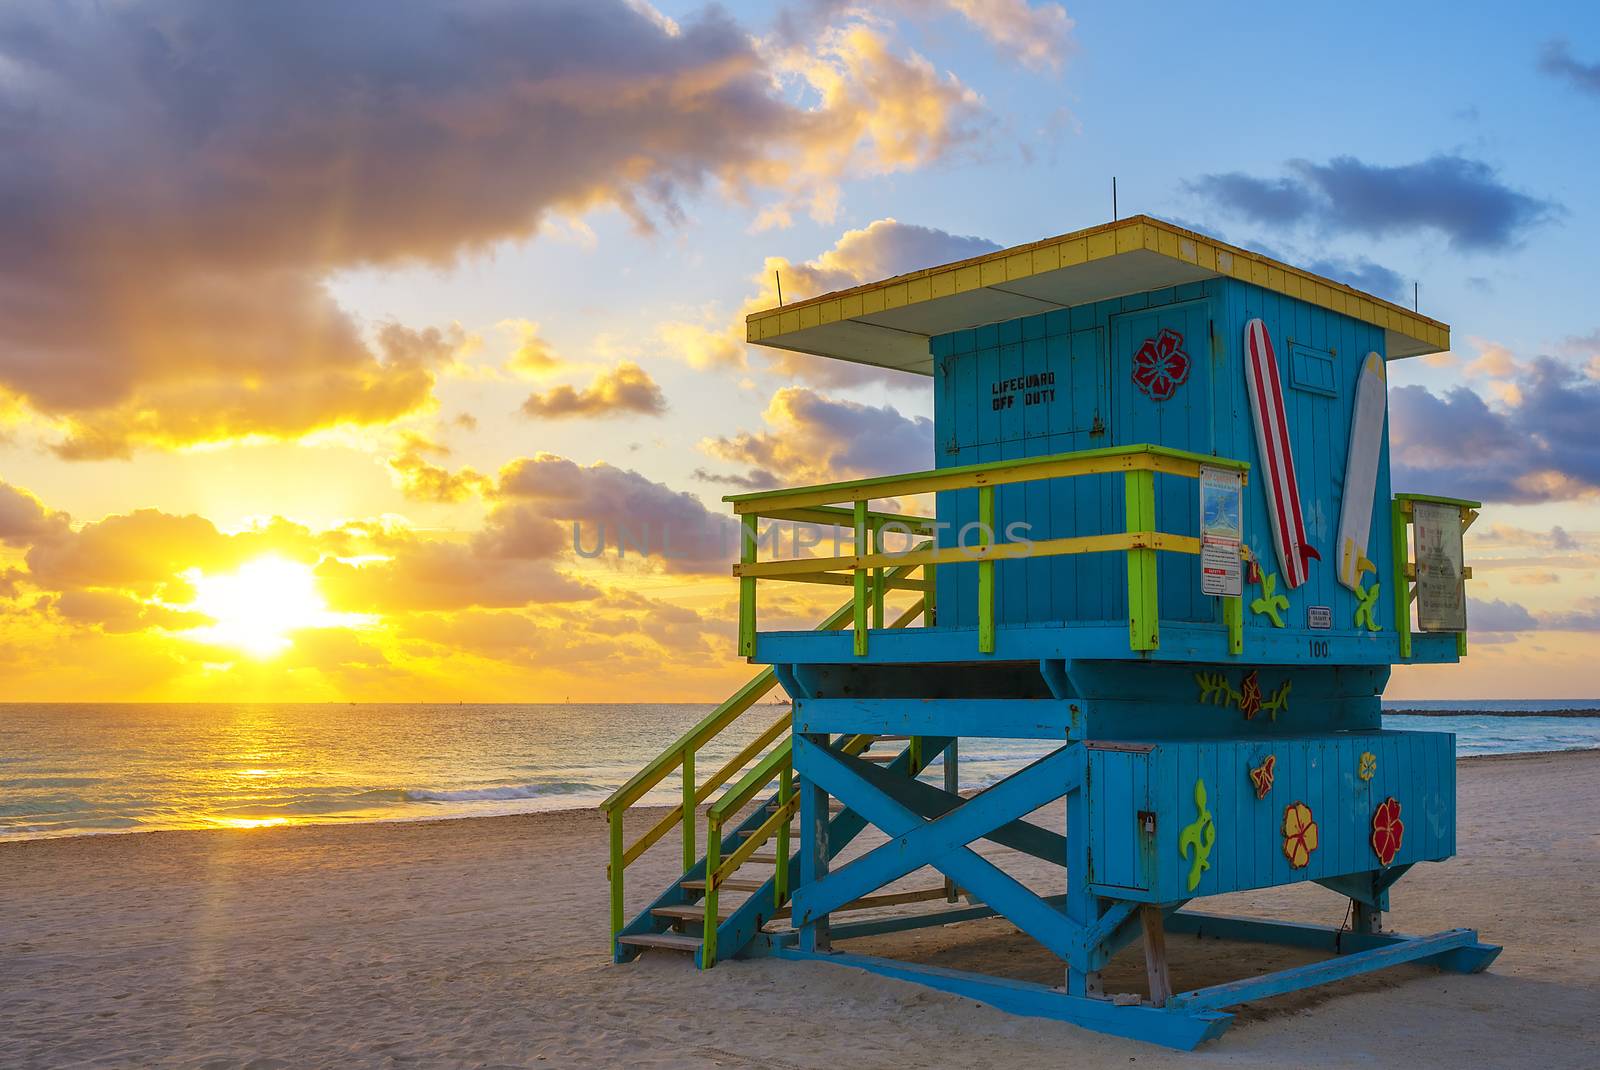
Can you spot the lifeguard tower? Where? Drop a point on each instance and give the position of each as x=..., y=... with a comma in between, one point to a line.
x=1164, y=540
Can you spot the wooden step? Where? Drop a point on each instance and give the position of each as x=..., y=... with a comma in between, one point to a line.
x=763, y=859
x=881, y=759
x=732, y=884
x=891, y=739
x=665, y=941
x=794, y=830
x=688, y=912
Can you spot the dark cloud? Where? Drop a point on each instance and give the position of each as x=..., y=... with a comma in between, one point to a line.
x=181, y=176
x=1363, y=274
x=1557, y=59
x=672, y=529
x=754, y=479
x=1462, y=199
x=1498, y=616
x=813, y=438
x=627, y=388
x=1358, y=271
x=1586, y=618
x=1547, y=448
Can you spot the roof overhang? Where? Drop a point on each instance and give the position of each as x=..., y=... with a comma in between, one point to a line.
x=887, y=324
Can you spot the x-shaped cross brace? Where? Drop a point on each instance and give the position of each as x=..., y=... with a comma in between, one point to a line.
x=901, y=808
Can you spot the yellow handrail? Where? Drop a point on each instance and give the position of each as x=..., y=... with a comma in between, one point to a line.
x=1139, y=539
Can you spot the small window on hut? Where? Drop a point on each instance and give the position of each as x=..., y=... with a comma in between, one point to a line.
x=1312, y=370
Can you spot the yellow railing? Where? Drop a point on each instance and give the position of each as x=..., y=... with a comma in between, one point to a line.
x=680, y=756
x=1139, y=540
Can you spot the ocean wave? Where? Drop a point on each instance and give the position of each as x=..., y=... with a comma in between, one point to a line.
x=504, y=792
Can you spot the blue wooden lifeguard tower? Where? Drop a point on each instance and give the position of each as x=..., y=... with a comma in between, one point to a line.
x=1163, y=539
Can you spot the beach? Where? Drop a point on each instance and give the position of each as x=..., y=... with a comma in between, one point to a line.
x=480, y=942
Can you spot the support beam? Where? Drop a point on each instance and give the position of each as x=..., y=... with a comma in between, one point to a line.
x=814, y=934
x=1155, y=955
x=1184, y=1031
x=1217, y=997
x=1467, y=959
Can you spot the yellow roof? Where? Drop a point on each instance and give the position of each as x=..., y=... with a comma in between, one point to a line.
x=888, y=323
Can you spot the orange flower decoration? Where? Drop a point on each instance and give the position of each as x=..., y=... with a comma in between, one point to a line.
x=1250, y=695
x=1299, y=834
x=1261, y=776
x=1387, y=830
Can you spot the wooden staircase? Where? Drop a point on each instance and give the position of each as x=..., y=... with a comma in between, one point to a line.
x=676, y=922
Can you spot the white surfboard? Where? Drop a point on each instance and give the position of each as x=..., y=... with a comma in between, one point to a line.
x=1361, y=472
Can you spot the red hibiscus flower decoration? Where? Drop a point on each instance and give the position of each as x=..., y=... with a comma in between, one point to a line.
x=1250, y=695
x=1161, y=365
x=1387, y=830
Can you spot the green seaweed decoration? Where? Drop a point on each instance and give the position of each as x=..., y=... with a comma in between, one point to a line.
x=1271, y=602
x=1216, y=691
x=1367, y=610
x=1279, y=699
x=1200, y=834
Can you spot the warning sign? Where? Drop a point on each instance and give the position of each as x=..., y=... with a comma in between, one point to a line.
x=1221, y=531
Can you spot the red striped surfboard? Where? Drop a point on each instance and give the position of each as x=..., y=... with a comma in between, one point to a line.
x=1277, y=459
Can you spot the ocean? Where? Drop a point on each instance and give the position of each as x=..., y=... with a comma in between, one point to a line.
x=69, y=769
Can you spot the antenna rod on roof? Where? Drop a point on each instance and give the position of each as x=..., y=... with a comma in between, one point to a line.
x=1113, y=198
x=779, y=278
x=1416, y=296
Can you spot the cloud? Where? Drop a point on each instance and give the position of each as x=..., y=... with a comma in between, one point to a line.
x=533, y=357
x=182, y=177
x=611, y=513
x=627, y=388
x=813, y=438
x=1556, y=59
x=880, y=250
x=25, y=520
x=1586, y=618
x=1462, y=199
x=1544, y=448
x=1037, y=35
x=1498, y=616
x=1362, y=273
x=421, y=480
x=427, y=574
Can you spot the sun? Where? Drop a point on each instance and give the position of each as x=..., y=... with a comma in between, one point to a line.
x=257, y=607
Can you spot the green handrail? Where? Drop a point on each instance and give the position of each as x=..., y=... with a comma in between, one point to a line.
x=680, y=755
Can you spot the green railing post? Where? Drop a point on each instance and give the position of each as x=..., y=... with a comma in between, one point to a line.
x=708, y=941
x=930, y=605
x=1143, y=609
x=860, y=578
x=780, y=879
x=914, y=763
x=747, y=585
x=1233, y=617
x=614, y=871
x=986, y=572
x=1399, y=517
x=689, y=853
x=877, y=576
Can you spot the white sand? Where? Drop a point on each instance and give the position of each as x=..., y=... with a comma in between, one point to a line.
x=481, y=943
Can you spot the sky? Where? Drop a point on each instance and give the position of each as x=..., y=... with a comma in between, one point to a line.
x=321, y=325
